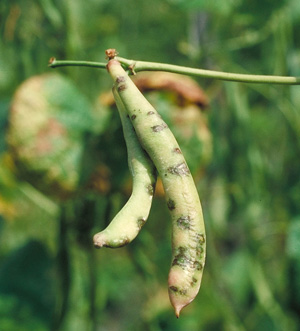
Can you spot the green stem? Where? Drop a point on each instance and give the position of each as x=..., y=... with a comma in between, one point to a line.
x=245, y=78
x=53, y=63
x=137, y=66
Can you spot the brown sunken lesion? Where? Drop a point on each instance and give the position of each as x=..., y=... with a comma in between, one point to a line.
x=158, y=128
x=184, y=222
x=180, y=169
x=171, y=204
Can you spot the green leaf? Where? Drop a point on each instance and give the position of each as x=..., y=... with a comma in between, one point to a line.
x=293, y=240
x=26, y=287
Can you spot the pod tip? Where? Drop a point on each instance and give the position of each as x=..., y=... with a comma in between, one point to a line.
x=178, y=309
x=98, y=241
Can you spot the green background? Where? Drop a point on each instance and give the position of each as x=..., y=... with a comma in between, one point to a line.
x=51, y=277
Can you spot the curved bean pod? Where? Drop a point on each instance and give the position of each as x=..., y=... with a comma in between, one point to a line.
x=188, y=232
x=128, y=222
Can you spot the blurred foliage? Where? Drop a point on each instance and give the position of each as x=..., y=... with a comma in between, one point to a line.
x=243, y=151
x=47, y=121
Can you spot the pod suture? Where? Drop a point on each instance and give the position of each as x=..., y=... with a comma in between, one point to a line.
x=131, y=218
x=188, y=232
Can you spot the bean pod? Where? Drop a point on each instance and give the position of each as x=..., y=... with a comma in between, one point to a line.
x=188, y=232
x=128, y=222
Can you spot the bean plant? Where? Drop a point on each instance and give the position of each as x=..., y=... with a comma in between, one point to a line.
x=152, y=146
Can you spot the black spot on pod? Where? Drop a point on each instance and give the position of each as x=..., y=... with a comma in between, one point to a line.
x=120, y=79
x=194, y=281
x=174, y=288
x=171, y=204
x=181, y=258
x=158, y=128
x=180, y=261
x=184, y=222
x=199, y=250
x=198, y=265
x=151, y=112
x=150, y=189
x=177, y=150
x=201, y=238
x=121, y=88
x=133, y=117
x=140, y=222
x=181, y=250
x=179, y=169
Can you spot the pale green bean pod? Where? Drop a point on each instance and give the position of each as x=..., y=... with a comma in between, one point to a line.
x=188, y=232
x=128, y=222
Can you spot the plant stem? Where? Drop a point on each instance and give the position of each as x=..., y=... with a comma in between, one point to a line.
x=245, y=78
x=137, y=66
x=53, y=63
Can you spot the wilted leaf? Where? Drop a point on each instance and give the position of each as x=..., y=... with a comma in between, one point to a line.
x=48, y=118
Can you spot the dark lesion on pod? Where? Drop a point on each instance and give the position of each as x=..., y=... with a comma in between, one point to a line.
x=171, y=204
x=150, y=189
x=200, y=241
x=140, y=222
x=133, y=117
x=194, y=281
x=198, y=265
x=182, y=259
x=120, y=79
x=199, y=250
x=177, y=150
x=158, y=128
x=201, y=238
x=184, y=222
x=174, y=288
x=151, y=112
x=177, y=290
x=121, y=83
x=180, y=169
x=121, y=87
